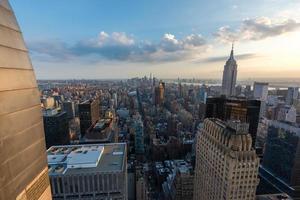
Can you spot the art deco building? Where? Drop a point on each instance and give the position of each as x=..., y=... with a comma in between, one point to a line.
x=229, y=76
x=226, y=164
x=23, y=164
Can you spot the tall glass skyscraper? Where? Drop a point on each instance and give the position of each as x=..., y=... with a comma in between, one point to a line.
x=281, y=160
x=23, y=164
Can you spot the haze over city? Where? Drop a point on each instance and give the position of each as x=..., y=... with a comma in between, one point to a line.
x=188, y=39
x=149, y=100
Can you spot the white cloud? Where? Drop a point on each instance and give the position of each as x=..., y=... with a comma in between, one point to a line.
x=257, y=29
x=120, y=46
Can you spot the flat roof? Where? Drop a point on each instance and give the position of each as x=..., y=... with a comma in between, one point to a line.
x=76, y=159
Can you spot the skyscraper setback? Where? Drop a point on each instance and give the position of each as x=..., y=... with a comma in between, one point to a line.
x=23, y=164
x=229, y=76
x=226, y=163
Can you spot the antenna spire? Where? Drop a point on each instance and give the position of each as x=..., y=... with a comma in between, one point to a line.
x=232, y=48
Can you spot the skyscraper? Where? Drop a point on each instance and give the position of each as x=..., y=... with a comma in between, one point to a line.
x=202, y=94
x=229, y=76
x=292, y=95
x=260, y=91
x=281, y=160
x=241, y=109
x=56, y=127
x=69, y=108
x=159, y=93
x=139, y=135
x=226, y=163
x=23, y=164
x=89, y=112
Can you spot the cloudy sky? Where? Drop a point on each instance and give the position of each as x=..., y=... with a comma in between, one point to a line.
x=170, y=38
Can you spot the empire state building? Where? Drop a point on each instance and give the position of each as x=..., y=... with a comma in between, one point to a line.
x=229, y=76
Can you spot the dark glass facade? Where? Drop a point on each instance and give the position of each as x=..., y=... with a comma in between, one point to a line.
x=280, y=152
x=89, y=113
x=56, y=129
x=235, y=109
x=281, y=162
x=23, y=164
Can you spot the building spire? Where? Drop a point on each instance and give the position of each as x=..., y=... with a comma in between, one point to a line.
x=232, y=47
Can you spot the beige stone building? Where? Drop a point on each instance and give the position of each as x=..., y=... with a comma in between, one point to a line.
x=226, y=164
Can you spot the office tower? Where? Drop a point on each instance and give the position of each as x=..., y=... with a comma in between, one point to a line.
x=56, y=126
x=89, y=113
x=141, y=185
x=159, y=93
x=202, y=94
x=247, y=91
x=180, y=90
x=23, y=165
x=286, y=113
x=235, y=109
x=48, y=102
x=96, y=171
x=181, y=183
x=178, y=184
x=139, y=135
x=281, y=159
x=260, y=91
x=226, y=163
x=292, y=95
x=238, y=90
x=141, y=189
x=115, y=98
x=229, y=76
x=69, y=108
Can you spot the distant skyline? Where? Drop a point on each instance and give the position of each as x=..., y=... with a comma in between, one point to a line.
x=189, y=39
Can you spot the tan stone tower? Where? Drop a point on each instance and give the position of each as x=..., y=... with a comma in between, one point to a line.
x=226, y=164
x=23, y=164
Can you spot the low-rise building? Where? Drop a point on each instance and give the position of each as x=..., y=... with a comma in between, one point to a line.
x=96, y=171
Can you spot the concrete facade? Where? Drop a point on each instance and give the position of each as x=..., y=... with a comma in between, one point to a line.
x=226, y=164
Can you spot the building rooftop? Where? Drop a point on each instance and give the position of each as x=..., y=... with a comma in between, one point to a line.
x=102, y=132
x=73, y=159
